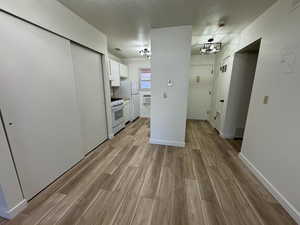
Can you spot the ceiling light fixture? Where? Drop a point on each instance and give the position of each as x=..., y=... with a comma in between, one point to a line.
x=145, y=52
x=210, y=48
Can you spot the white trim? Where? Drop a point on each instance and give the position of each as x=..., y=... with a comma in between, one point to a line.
x=282, y=200
x=165, y=142
x=95, y=147
x=111, y=136
x=227, y=136
x=10, y=214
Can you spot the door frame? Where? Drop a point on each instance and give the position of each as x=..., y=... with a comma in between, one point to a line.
x=211, y=86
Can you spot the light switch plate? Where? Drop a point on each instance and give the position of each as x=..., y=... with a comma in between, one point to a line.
x=295, y=4
x=266, y=100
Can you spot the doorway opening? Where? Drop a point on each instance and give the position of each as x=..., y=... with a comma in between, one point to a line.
x=200, y=87
x=242, y=79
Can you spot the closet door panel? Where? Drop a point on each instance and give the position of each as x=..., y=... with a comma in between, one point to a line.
x=38, y=101
x=90, y=92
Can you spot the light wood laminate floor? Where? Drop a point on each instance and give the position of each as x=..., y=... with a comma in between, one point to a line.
x=236, y=144
x=129, y=181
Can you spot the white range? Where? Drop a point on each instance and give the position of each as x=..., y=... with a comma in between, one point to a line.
x=117, y=110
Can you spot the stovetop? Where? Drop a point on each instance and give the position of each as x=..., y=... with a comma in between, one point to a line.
x=116, y=99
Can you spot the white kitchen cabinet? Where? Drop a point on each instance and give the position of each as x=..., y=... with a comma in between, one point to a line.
x=115, y=73
x=123, y=71
x=127, y=111
x=135, y=106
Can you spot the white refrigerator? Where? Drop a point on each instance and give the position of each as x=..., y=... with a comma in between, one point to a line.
x=130, y=89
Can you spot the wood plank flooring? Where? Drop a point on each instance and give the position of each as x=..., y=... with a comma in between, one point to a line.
x=128, y=181
x=236, y=144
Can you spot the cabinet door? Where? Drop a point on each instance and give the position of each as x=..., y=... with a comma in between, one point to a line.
x=136, y=106
x=127, y=111
x=115, y=73
x=90, y=92
x=38, y=102
x=123, y=71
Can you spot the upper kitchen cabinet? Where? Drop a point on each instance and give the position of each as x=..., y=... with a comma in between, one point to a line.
x=115, y=73
x=123, y=71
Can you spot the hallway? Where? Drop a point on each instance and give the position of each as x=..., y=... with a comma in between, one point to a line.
x=128, y=181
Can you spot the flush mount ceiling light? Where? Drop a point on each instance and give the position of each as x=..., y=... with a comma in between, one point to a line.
x=145, y=52
x=210, y=47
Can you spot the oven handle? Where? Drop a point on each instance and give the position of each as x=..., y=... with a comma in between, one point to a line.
x=116, y=108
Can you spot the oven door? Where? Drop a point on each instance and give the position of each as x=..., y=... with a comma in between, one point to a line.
x=117, y=115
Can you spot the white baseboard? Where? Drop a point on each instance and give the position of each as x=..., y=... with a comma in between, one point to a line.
x=280, y=198
x=227, y=136
x=11, y=213
x=165, y=142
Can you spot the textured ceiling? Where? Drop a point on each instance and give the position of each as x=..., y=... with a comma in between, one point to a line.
x=127, y=23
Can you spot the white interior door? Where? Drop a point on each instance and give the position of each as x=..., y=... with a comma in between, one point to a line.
x=222, y=82
x=90, y=91
x=38, y=101
x=200, y=86
x=218, y=104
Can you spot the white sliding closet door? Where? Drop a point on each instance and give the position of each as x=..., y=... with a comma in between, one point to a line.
x=90, y=91
x=38, y=101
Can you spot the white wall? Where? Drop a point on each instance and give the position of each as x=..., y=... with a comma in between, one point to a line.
x=243, y=71
x=116, y=58
x=171, y=58
x=134, y=66
x=53, y=16
x=271, y=140
x=198, y=60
